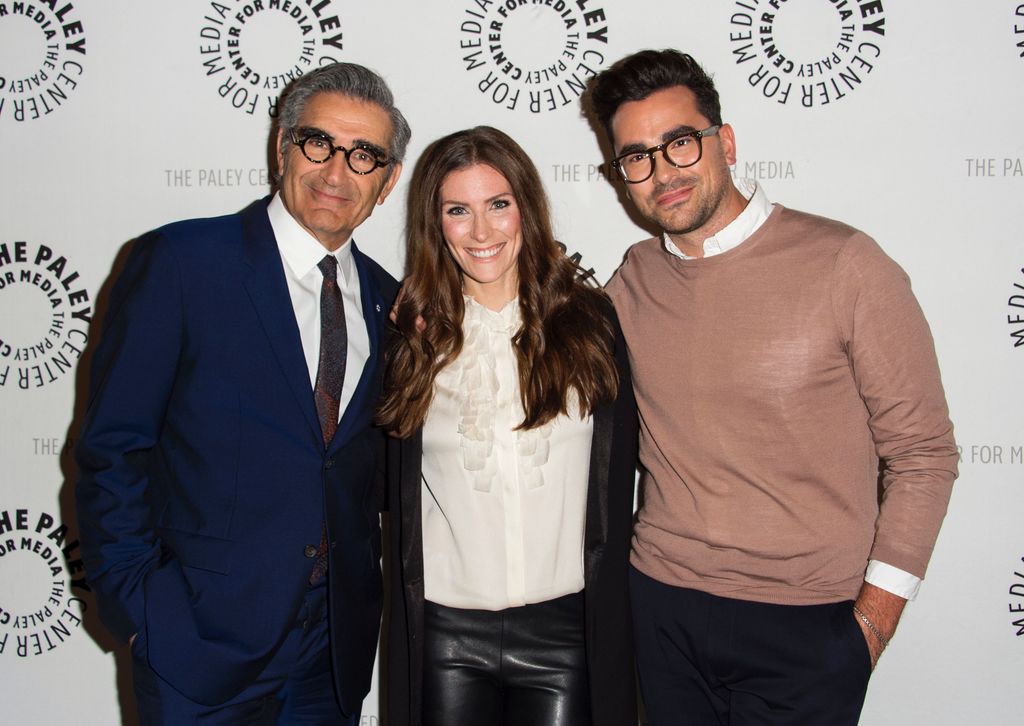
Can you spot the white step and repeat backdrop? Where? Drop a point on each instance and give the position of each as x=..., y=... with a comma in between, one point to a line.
x=901, y=117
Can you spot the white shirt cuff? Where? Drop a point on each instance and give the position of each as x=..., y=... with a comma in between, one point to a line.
x=892, y=579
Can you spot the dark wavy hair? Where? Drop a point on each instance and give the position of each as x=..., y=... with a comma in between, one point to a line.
x=637, y=76
x=566, y=340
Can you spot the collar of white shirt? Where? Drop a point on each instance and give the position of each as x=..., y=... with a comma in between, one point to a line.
x=753, y=216
x=300, y=249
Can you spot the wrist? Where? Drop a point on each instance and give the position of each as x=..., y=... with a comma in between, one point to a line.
x=872, y=628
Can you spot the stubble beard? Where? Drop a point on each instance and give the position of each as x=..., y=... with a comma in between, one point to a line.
x=695, y=213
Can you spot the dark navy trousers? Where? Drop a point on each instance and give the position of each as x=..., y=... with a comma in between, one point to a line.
x=709, y=661
x=295, y=689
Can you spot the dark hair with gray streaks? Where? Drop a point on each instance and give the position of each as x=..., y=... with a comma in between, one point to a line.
x=352, y=80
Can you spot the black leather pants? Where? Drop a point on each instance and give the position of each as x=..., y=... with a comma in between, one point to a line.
x=524, y=666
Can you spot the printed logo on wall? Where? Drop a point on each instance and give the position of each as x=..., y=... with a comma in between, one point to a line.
x=252, y=50
x=42, y=57
x=47, y=327
x=763, y=169
x=1016, y=607
x=1015, y=315
x=1018, y=29
x=587, y=274
x=41, y=600
x=991, y=453
x=532, y=55
x=806, y=53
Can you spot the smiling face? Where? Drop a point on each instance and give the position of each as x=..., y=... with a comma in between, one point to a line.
x=692, y=203
x=481, y=226
x=330, y=200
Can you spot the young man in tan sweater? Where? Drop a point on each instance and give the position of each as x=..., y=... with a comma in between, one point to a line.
x=778, y=358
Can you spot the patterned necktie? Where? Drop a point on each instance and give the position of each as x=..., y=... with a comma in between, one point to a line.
x=330, y=374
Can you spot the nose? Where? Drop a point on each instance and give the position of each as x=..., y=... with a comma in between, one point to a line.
x=334, y=170
x=481, y=229
x=663, y=171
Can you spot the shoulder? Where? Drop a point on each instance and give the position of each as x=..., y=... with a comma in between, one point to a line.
x=602, y=317
x=853, y=251
x=644, y=250
x=205, y=236
x=589, y=303
x=384, y=279
x=820, y=245
x=814, y=229
x=863, y=267
x=189, y=229
x=637, y=258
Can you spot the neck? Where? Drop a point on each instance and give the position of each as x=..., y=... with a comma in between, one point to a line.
x=494, y=300
x=493, y=295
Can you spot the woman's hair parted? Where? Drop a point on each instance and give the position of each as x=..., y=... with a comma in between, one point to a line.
x=566, y=340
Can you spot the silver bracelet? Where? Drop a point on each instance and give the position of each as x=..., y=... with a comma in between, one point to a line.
x=871, y=626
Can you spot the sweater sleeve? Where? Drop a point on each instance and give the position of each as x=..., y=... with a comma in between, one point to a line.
x=892, y=359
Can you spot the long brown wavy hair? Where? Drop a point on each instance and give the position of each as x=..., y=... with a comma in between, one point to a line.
x=566, y=340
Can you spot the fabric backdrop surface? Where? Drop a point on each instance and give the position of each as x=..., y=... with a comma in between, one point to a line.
x=901, y=118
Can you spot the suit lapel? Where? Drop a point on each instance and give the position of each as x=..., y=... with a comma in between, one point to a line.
x=373, y=315
x=268, y=292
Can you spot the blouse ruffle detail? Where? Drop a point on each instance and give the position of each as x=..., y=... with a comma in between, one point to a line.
x=475, y=371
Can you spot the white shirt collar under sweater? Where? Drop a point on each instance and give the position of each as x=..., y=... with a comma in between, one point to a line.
x=746, y=223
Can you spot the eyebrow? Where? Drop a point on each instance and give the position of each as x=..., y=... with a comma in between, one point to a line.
x=304, y=131
x=496, y=197
x=666, y=136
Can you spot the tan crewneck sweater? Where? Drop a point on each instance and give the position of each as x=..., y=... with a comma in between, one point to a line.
x=770, y=379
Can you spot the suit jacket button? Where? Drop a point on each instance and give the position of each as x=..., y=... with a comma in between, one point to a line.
x=329, y=463
x=310, y=551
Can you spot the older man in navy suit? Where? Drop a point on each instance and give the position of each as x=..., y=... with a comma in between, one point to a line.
x=228, y=461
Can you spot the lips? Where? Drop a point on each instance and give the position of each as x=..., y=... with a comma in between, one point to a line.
x=484, y=253
x=673, y=196
x=326, y=196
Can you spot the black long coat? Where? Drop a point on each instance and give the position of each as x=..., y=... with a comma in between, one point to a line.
x=609, y=519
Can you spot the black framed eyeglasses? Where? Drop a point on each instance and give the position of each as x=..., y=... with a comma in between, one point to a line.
x=362, y=159
x=682, y=151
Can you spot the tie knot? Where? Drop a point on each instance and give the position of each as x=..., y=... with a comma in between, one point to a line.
x=329, y=267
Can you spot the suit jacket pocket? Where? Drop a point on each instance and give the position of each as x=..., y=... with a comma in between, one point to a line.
x=200, y=551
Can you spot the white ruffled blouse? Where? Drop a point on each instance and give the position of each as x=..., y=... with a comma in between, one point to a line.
x=503, y=510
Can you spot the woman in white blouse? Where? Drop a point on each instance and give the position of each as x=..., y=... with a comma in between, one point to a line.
x=511, y=487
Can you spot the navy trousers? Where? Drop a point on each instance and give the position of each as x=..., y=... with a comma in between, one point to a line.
x=296, y=688
x=709, y=661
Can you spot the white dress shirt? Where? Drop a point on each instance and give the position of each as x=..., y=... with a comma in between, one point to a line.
x=503, y=510
x=301, y=253
x=889, y=578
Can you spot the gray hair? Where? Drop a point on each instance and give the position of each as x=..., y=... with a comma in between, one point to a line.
x=352, y=80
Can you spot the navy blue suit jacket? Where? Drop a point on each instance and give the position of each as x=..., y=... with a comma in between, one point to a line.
x=203, y=472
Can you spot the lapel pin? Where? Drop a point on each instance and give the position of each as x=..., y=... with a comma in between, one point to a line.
x=378, y=308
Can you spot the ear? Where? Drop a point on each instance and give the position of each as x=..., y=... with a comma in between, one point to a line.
x=280, y=154
x=728, y=138
x=396, y=171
